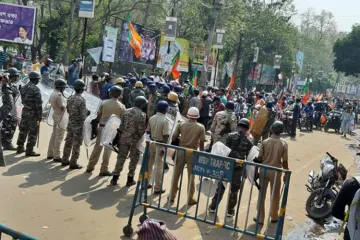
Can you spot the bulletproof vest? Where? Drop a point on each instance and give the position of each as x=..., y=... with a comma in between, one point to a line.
x=239, y=145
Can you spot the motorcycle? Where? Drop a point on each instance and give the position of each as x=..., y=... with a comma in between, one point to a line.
x=305, y=122
x=324, y=188
x=333, y=121
x=287, y=119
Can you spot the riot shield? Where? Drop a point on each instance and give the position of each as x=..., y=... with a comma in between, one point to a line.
x=220, y=149
x=87, y=130
x=109, y=132
x=250, y=170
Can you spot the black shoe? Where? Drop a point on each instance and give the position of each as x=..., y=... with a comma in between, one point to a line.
x=255, y=220
x=89, y=171
x=211, y=209
x=50, y=158
x=166, y=166
x=149, y=186
x=20, y=149
x=105, y=174
x=230, y=214
x=159, y=192
x=58, y=160
x=65, y=163
x=9, y=147
x=114, y=180
x=130, y=181
x=76, y=166
x=32, y=154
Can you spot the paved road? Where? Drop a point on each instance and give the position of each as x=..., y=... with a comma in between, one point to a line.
x=46, y=200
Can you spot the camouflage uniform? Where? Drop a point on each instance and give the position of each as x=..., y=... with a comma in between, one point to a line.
x=240, y=146
x=126, y=96
x=134, y=94
x=30, y=117
x=153, y=100
x=266, y=132
x=132, y=128
x=146, y=92
x=181, y=102
x=10, y=122
x=162, y=97
x=173, y=109
x=224, y=123
x=8, y=103
x=76, y=107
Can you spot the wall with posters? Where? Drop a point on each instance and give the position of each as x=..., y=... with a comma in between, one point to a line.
x=109, y=40
x=164, y=59
x=150, y=39
x=17, y=23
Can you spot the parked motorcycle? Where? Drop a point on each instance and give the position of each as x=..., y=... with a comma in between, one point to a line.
x=324, y=188
x=287, y=119
x=333, y=121
x=305, y=122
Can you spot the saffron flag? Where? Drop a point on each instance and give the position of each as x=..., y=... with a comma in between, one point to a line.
x=175, y=63
x=134, y=38
x=194, y=81
x=306, y=91
x=232, y=82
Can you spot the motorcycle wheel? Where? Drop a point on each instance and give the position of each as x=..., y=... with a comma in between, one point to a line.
x=319, y=211
x=326, y=128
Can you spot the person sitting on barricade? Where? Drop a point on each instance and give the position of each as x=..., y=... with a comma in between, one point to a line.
x=273, y=152
x=240, y=146
x=192, y=135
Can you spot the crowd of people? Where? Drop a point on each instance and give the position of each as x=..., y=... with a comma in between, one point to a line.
x=239, y=120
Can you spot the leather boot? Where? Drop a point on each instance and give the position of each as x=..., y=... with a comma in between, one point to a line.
x=130, y=181
x=114, y=180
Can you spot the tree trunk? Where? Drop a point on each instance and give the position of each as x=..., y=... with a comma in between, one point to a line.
x=146, y=15
x=237, y=57
x=69, y=32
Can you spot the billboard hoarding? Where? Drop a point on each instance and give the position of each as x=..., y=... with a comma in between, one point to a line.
x=87, y=8
x=109, y=40
x=164, y=59
x=17, y=23
x=267, y=75
x=150, y=39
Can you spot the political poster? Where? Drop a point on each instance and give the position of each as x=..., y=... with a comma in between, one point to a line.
x=300, y=60
x=150, y=39
x=17, y=23
x=109, y=39
x=267, y=75
x=164, y=58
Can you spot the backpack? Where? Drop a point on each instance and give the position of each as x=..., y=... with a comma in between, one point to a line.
x=353, y=216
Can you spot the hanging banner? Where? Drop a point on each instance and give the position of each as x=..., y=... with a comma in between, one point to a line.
x=300, y=60
x=150, y=40
x=109, y=40
x=86, y=8
x=164, y=59
x=254, y=74
x=95, y=53
x=17, y=23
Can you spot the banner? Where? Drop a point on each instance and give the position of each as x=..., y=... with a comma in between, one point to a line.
x=300, y=60
x=95, y=53
x=198, y=54
x=150, y=40
x=109, y=40
x=254, y=74
x=267, y=75
x=164, y=59
x=87, y=8
x=17, y=23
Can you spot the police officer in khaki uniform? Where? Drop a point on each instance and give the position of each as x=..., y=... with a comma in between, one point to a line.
x=192, y=135
x=57, y=102
x=107, y=108
x=159, y=131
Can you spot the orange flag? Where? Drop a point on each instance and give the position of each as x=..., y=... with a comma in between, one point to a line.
x=232, y=82
x=175, y=63
x=134, y=39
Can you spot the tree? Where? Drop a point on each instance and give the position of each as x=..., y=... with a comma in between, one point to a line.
x=347, y=53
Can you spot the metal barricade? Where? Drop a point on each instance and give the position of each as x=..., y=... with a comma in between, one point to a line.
x=14, y=234
x=224, y=170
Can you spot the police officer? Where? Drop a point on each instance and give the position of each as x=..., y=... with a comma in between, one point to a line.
x=296, y=117
x=158, y=128
x=31, y=115
x=164, y=91
x=137, y=92
x=240, y=146
x=132, y=128
x=10, y=122
x=106, y=110
x=179, y=92
x=76, y=108
x=57, y=101
x=271, y=119
x=224, y=123
x=145, y=82
x=173, y=100
x=128, y=90
x=8, y=102
x=121, y=83
x=152, y=100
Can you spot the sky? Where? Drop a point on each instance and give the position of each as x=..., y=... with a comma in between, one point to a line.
x=346, y=12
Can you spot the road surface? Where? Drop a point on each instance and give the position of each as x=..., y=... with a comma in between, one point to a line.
x=41, y=198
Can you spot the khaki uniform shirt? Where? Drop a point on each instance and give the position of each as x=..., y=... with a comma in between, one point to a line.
x=158, y=126
x=57, y=101
x=273, y=152
x=110, y=107
x=191, y=133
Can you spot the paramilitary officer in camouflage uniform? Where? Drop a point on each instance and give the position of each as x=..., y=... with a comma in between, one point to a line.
x=10, y=122
x=76, y=108
x=127, y=90
x=31, y=115
x=173, y=104
x=240, y=146
x=164, y=91
x=224, y=123
x=152, y=101
x=132, y=128
x=137, y=92
x=8, y=102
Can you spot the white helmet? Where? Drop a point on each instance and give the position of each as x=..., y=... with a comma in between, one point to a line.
x=193, y=113
x=205, y=93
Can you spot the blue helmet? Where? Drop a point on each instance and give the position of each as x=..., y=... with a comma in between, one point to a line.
x=151, y=86
x=177, y=89
x=162, y=106
x=170, y=86
x=165, y=89
x=144, y=80
x=230, y=106
x=133, y=80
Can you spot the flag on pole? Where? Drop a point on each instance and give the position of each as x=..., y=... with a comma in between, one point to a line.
x=232, y=82
x=175, y=63
x=134, y=38
x=306, y=91
x=194, y=81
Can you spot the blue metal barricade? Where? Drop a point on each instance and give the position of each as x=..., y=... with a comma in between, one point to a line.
x=222, y=170
x=14, y=234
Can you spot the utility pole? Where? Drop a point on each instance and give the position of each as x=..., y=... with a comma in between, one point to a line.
x=215, y=10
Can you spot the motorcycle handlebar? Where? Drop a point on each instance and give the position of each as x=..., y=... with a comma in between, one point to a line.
x=332, y=158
